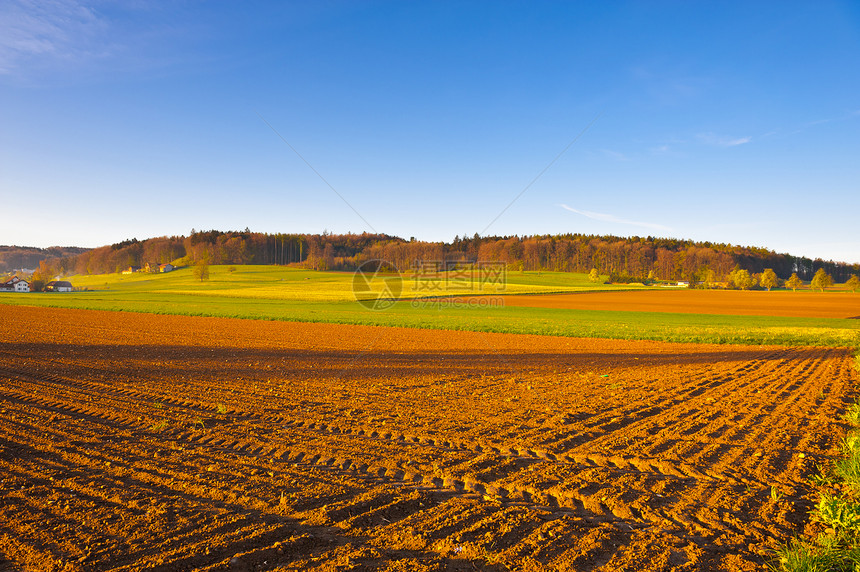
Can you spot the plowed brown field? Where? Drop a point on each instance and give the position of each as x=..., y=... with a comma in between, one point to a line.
x=735, y=302
x=144, y=442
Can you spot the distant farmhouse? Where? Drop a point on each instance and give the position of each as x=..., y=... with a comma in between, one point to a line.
x=15, y=284
x=58, y=286
x=150, y=267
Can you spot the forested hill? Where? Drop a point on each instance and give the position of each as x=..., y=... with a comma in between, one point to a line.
x=666, y=259
x=28, y=257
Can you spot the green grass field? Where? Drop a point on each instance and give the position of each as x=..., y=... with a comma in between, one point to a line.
x=281, y=283
x=277, y=293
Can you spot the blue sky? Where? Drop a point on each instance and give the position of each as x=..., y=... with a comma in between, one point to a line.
x=732, y=122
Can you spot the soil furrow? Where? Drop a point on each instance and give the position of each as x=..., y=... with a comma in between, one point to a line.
x=132, y=442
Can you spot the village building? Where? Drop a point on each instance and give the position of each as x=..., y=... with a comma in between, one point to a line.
x=15, y=284
x=58, y=286
x=151, y=267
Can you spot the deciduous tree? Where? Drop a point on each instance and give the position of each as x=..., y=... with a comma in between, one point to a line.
x=768, y=279
x=821, y=280
x=201, y=271
x=594, y=275
x=853, y=283
x=741, y=279
x=794, y=282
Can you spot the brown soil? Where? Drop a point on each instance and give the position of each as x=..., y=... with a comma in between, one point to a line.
x=736, y=302
x=144, y=442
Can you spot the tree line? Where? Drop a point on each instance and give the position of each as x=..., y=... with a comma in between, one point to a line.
x=625, y=258
x=20, y=257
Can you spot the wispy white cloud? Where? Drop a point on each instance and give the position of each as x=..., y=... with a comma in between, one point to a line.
x=662, y=150
x=76, y=39
x=670, y=146
x=615, y=155
x=722, y=140
x=850, y=115
x=40, y=31
x=670, y=86
x=614, y=219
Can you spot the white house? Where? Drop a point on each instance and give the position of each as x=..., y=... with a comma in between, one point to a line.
x=15, y=284
x=58, y=286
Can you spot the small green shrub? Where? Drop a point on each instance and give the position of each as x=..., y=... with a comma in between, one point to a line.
x=853, y=415
x=824, y=477
x=800, y=556
x=848, y=469
x=159, y=426
x=837, y=512
x=851, y=444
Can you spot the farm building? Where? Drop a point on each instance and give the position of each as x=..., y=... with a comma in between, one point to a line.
x=58, y=286
x=15, y=284
x=151, y=267
x=131, y=270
